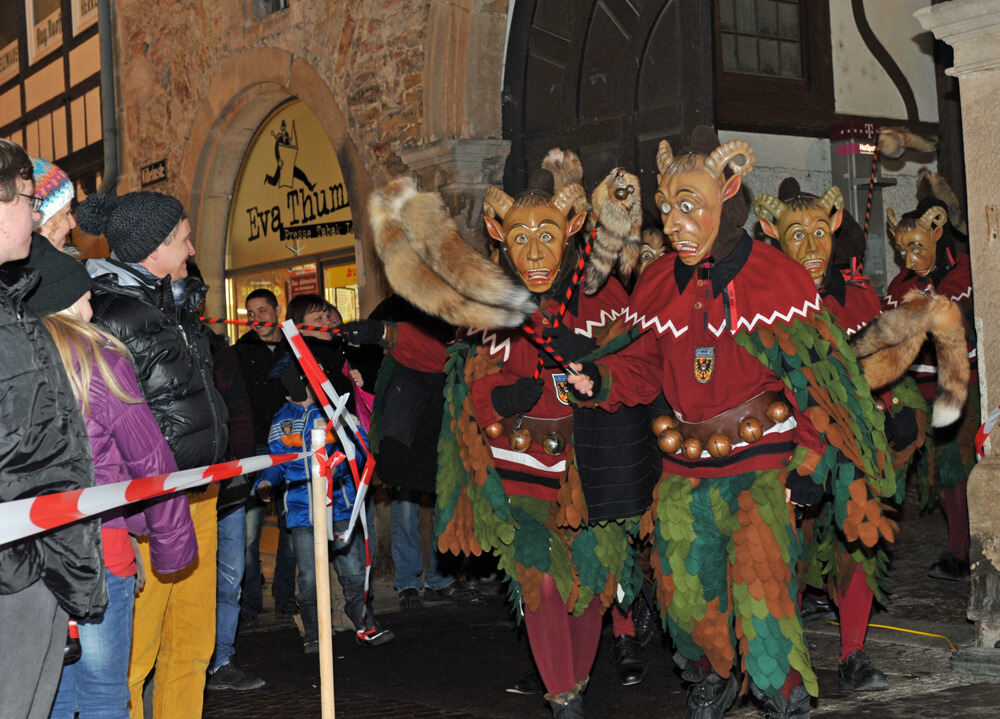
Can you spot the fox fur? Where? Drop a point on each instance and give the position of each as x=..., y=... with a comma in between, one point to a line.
x=565, y=167
x=931, y=184
x=888, y=346
x=894, y=141
x=618, y=222
x=428, y=263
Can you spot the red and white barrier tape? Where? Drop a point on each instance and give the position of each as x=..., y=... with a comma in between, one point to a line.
x=22, y=518
x=984, y=432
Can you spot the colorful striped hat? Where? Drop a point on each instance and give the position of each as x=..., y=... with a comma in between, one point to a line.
x=53, y=186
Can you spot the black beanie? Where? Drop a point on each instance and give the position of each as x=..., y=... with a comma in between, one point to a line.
x=63, y=279
x=135, y=224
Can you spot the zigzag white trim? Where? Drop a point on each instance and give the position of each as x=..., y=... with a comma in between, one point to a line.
x=958, y=298
x=857, y=329
x=645, y=323
x=786, y=317
x=526, y=460
x=607, y=317
x=491, y=343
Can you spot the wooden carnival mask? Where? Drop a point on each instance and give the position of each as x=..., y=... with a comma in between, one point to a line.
x=916, y=238
x=534, y=230
x=804, y=227
x=691, y=190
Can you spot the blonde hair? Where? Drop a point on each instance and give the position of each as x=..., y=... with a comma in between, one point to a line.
x=79, y=344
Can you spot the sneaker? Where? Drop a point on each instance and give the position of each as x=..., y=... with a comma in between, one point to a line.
x=950, y=568
x=454, y=593
x=410, y=599
x=374, y=636
x=530, y=683
x=230, y=676
x=857, y=674
x=310, y=647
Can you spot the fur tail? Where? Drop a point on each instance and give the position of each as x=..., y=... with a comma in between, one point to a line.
x=931, y=184
x=888, y=346
x=427, y=262
x=894, y=141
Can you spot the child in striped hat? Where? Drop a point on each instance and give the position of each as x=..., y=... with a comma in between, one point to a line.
x=56, y=191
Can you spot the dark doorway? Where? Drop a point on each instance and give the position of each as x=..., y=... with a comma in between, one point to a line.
x=607, y=79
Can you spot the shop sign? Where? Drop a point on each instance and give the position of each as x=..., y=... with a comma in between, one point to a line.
x=153, y=173
x=290, y=198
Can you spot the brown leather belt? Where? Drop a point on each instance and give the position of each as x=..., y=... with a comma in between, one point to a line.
x=540, y=428
x=728, y=422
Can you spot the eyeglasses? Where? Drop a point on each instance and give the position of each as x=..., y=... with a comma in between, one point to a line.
x=34, y=201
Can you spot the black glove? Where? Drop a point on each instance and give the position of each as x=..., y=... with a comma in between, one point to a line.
x=590, y=369
x=363, y=332
x=804, y=490
x=901, y=429
x=567, y=343
x=512, y=399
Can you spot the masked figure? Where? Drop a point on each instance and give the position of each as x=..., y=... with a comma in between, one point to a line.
x=816, y=233
x=932, y=261
x=510, y=480
x=737, y=341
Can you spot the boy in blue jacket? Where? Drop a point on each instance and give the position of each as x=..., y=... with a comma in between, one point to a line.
x=290, y=431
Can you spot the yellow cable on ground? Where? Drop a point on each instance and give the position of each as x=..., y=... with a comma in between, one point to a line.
x=954, y=649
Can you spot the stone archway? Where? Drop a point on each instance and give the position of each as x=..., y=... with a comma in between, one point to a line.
x=242, y=94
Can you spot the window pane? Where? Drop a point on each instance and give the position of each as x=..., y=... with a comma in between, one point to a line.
x=746, y=54
x=769, y=63
x=791, y=59
x=767, y=17
x=729, y=63
x=727, y=15
x=745, y=16
x=788, y=20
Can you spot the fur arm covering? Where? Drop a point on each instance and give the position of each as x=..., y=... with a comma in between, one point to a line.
x=888, y=346
x=428, y=263
x=812, y=358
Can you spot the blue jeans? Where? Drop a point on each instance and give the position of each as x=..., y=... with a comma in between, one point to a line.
x=251, y=599
x=407, y=555
x=349, y=563
x=305, y=561
x=283, y=582
x=229, y=574
x=97, y=685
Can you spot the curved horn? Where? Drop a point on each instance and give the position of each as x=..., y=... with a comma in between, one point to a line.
x=735, y=153
x=762, y=204
x=891, y=222
x=569, y=197
x=664, y=156
x=933, y=218
x=496, y=202
x=832, y=200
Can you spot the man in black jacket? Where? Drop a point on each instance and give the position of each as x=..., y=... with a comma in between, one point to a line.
x=143, y=296
x=43, y=449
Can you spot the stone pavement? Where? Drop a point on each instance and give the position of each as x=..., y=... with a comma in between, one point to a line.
x=454, y=660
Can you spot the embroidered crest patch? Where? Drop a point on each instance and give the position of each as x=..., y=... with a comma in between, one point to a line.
x=562, y=387
x=704, y=363
x=286, y=427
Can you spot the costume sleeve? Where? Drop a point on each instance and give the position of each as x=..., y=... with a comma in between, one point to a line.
x=416, y=348
x=631, y=376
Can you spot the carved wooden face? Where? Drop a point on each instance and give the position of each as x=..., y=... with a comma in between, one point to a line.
x=807, y=237
x=690, y=205
x=536, y=239
x=918, y=248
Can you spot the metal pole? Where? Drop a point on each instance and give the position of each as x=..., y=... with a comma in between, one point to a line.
x=321, y=550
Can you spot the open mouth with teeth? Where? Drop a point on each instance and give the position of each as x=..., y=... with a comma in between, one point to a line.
x=814, y=265
x=686, y=249
x=537, y=276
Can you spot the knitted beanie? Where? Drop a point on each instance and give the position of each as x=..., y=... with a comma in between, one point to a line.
x=53, y=186
x=63, y=279
x=134, y=224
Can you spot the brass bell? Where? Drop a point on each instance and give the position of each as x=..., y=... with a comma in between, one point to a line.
x=719, y=445
x=662, y=423
x=691, y=448
x=623, y=191
x=778, y=412
x=751, y=429
x=494, y=430
x=520, y=440
x=553, y=444
x=880, y=405
x=670, y=441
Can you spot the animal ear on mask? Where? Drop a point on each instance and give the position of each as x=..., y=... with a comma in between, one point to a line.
x=493, y=228
x=769, y=229
x=575, y=223
x=837, y=220
x=731, y=187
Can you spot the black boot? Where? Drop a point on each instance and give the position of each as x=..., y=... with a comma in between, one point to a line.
x=797, y=706
x=949, y=567
x=530, y=683
x=857, y=674
x=711, y=696
x=643, y=619
x=568, y=705
x=626, y=657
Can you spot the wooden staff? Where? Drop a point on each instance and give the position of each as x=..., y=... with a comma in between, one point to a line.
x=323, y=611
